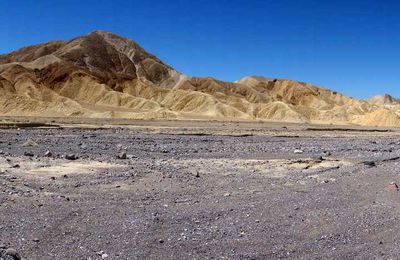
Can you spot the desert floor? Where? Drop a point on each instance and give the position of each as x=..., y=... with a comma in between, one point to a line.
x=198, y=190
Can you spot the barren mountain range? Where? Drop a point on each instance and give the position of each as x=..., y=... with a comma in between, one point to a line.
x=102, y=75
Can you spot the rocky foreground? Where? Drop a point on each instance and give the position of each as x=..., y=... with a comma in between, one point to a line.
x=131, y=194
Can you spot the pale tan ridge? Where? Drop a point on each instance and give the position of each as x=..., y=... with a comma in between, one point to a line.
x=105, y=75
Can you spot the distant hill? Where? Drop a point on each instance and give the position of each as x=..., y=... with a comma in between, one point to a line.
x=384, y=100
x=103, y=75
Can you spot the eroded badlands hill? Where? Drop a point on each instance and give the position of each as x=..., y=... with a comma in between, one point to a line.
x=384, y=100
x=105, y=75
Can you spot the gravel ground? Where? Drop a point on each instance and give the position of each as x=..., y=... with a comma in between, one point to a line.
x=192, y=196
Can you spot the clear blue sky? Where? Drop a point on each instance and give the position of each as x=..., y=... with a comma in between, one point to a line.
x=349, y=46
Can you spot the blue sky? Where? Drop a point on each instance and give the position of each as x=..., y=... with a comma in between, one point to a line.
x=348, y=46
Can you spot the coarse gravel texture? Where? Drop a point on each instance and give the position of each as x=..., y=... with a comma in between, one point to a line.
x=191, y=196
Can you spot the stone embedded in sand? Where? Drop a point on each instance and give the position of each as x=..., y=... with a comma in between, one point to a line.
x=13, y=253
x=71, y=157
x=121, y=156
x=30, y=154
x=48, y=154
x=392, y=187
x=102, y=254
x=130, y=156
x=369, y=163
x=298, y=151
x=327, y=153
x=318, y=159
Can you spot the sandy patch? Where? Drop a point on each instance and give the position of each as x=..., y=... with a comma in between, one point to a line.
x=274, y=168
x=71, y=168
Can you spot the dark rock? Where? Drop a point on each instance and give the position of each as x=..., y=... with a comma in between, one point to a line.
x=369, y=163
x=121, y=156
x=30, y=154
x=327, y=153
x=71, y=157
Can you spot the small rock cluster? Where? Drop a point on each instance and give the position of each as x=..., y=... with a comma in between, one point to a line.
x=9, y=253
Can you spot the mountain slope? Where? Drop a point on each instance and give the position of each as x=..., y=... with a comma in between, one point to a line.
x=105, y=75
x=384, y=100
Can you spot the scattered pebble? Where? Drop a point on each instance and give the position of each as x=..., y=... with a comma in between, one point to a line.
x=369, y=163
x=121, y=156
x=327, y=153
x=71, y=157
x=13, y=253
x=392, y=187
x=102, y=254
x=30, y=154
x=319, y=159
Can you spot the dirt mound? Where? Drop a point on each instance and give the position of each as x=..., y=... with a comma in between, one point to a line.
x=105, y=75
